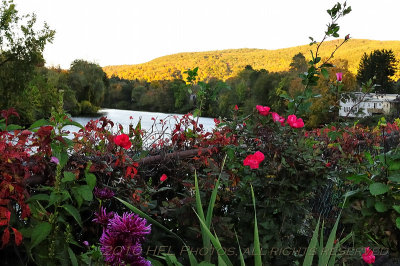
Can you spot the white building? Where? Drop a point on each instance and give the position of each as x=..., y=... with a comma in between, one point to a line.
x=359, y=104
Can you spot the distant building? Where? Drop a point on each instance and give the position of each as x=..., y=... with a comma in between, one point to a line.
x=359, y=104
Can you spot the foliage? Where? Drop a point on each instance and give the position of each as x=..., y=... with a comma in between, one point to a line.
x=21, y=50
x=375, y=197
x=225, y=64
x=326, y=255
x=381, y=66
x=89, y=83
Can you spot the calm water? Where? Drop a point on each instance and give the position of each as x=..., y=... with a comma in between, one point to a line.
x=123, y=117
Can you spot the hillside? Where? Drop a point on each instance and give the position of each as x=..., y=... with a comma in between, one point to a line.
x=224, y=64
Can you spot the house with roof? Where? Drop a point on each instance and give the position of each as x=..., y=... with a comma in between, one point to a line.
x=359, y=104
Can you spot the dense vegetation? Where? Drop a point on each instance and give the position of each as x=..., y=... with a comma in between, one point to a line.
x=225, y=64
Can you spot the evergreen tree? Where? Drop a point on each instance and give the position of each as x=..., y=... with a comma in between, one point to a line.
x=380, y=65
x=298, y=64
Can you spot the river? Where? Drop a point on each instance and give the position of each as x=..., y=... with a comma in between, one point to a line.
x=127, y=117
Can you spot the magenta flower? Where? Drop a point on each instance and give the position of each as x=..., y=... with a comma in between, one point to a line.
x=263, y=110
x=102, y=217
x=278, y=118
x=253, y=160
x=295, y=122
x=121, y=240
x=54, y=160
x=103, y=193
x=339, y=76
x=368, y=256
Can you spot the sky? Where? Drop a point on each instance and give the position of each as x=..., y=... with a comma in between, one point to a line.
x=129, y=32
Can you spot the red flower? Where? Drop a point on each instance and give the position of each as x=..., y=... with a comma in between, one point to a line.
x=253, y=160
x=295, y=122
x=236, y=108
x=263, y=110
x=163, y=178
x=328, y=164
x=368, y=256
x=123, y=141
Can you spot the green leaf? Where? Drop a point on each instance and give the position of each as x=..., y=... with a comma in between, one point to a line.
x=68, y=177
x=380, y=206
x=63, y=158
x=396, y=208
x=196, y=112
x=54, y=197
x=73, y=212
x=77, y=196
x=394, y=178
x=86, y=192
x=257, y=249
x=38, y=197
x=12, y=127
x=357, y=178
x=312, y=247
x=72, y=257
x=39, y=233
x=325, y=73
x=199, y=207
x=398, y=222
x=394, y=165
x=215, y=242
x=369, y=158
x=39, y=123
x=378, y=189
x=90, y=180
x=72, y=123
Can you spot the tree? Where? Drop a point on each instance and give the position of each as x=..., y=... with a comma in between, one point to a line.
x=21, y=50
x=298, y=64
x=89, y=82
x=380, y=65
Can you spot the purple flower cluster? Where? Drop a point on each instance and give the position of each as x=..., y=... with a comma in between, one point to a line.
x=102, y=217
x=121, y=241
x=103, y=193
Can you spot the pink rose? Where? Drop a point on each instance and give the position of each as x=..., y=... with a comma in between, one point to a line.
x=295, y=122
x=278, y=118
x=368, y=256
x=263, y=110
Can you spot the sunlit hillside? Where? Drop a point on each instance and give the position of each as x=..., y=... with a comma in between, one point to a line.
x=227, y=63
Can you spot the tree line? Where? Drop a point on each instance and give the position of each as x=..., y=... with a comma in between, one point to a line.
x=34, y=89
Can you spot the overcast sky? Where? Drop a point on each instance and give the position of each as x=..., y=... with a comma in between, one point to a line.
x=135, y=31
